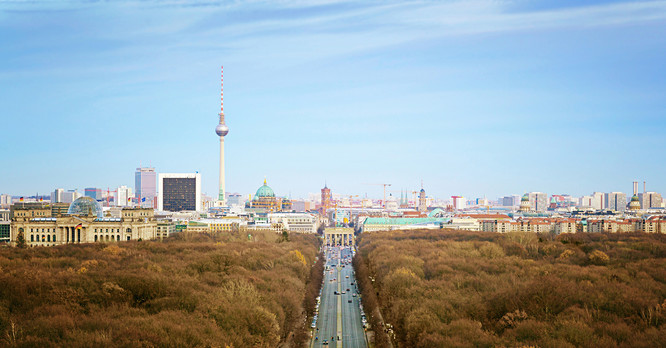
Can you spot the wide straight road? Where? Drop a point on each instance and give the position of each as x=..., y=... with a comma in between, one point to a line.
x=339, y=322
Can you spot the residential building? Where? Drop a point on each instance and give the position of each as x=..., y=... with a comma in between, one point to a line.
x=458, y=202
x=538, y=201
x=511, y=201
x=57, y=195
x=650, y=200
x=598, y=202
x=616, y=201
x=70, y=196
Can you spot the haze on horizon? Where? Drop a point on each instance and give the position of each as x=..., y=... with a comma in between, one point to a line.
x=476, y=98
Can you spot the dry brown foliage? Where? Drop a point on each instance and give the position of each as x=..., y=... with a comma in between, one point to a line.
x=190, y=290
x=460, y=289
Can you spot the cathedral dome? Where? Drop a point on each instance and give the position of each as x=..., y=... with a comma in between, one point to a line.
x=85, y=206
x=264, y=191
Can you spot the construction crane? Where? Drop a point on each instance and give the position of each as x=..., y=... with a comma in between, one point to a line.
x=383, y=201
x=350, y=207
x=108, y=193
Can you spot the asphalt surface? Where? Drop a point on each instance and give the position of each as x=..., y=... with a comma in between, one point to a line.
x=337, y=317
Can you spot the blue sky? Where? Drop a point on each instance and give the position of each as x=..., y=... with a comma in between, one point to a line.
x=473, y=97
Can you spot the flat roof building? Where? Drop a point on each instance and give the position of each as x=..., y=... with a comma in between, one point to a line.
x=179, y=192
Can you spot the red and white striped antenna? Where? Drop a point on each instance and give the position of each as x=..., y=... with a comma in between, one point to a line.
x=222, y=90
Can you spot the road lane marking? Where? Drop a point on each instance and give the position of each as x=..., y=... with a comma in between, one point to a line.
x=339, y=342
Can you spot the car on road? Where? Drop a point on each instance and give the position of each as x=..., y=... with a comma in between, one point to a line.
x=346, y=276
x=344, y=292
x=354, y=294
x=350, y=301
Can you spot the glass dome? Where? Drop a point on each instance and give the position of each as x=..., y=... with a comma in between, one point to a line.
x=85, y=206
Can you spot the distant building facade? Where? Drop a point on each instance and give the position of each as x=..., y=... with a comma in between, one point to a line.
x=266, y=201
x=511, y=201
x=83, y=223
x=616, y=201
x=179, y=192
x=422, y=201
x=124, y=196
x=650, y=200
x=57, y=195
x=93, y=192
x=145, y=181
x=538, y=201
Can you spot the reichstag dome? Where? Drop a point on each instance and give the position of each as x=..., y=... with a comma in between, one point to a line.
x=85, y=206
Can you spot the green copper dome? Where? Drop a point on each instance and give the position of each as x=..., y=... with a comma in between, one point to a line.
x=264, y=191
x=634, y=198
x=525, y=198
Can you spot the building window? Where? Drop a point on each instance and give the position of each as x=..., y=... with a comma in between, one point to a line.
x=128, y=237
x=32, y=237
x=54, y=238
x=95, y=238
x=48, y=238
x=117, y=238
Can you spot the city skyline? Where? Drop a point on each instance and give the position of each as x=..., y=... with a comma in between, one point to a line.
x=476, y=98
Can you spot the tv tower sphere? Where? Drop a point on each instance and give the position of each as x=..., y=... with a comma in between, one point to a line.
x=222, y=130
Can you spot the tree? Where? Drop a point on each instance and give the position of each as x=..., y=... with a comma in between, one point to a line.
x=20, y=240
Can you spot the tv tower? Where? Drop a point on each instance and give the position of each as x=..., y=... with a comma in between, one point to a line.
x=221, y=130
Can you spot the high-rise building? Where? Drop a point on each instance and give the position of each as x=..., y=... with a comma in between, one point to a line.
x=221, y=130
x=56, y=196
x=179, y=192
x=123, y=196
x=616, y=201
x=145, y=186
x=234, y=199
x=538, y=201
x=5, y=201
x=650, y=200
x=598, y=201
x=458, y=202
x=511, y=201
x=93, y=192
x=70, y=196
